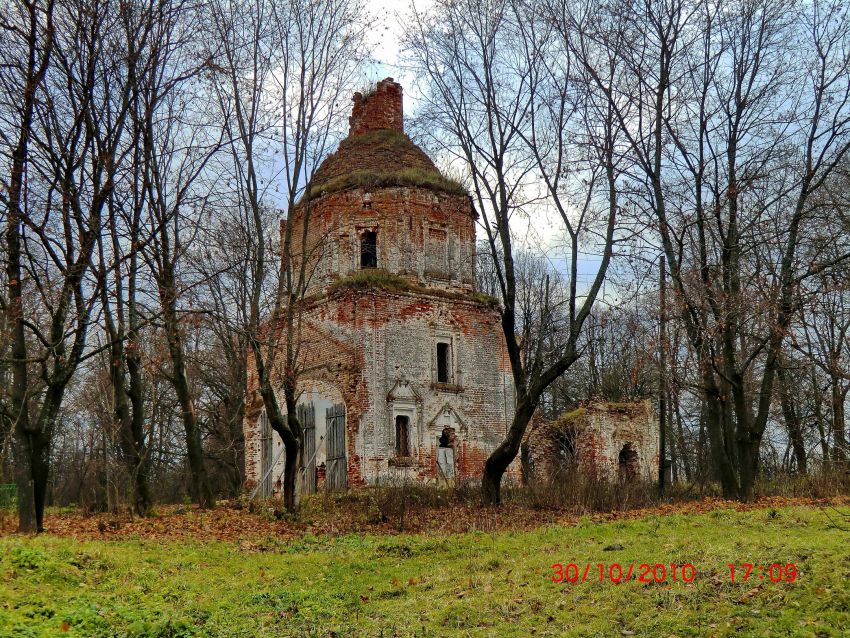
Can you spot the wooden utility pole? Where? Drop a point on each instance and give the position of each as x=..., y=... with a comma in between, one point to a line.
x=662, y=376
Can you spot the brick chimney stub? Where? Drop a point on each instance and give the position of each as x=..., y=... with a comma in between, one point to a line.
x=379, y=110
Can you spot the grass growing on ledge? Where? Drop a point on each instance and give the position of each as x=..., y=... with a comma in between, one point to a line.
x=572, y=415
x=381, y=279
x=371, y=278
x=371, y=179
x=483, y=297
x=475, y=584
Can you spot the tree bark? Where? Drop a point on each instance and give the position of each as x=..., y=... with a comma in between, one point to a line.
x=683, y=455
x=201, y=491
x=24, y=479
x=839, y=439
x=792, y=421
x=714, y=420
x=501, y=458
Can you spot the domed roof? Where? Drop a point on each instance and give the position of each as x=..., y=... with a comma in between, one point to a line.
x=377, y=153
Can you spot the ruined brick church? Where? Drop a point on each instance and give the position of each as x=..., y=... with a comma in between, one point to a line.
x=404, y=371
x=405, y=374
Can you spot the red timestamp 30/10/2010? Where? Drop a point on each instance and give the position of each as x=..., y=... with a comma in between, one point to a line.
x=667, y=572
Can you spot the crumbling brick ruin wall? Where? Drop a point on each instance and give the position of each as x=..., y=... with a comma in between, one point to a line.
x=599, y=439
x=396, y=332
x=422, y=236
x=381, y=109
x=331, y=369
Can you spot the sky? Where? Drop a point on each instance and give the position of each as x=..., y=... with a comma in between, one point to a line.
x=540, y=232
x=386, y=42
x=385, y=39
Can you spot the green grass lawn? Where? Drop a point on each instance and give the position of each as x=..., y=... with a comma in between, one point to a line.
x=411, y=585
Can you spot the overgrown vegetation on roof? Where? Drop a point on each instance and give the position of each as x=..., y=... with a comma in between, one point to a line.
x=483, y=297
x=572, y=416
x=378, y=159
x=372, y=179
x=371, y=278
x=367, y=91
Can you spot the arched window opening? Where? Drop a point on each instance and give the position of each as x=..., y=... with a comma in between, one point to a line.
x=443, y=363
x=565, y=451
x=402, y=436
x=369, y=249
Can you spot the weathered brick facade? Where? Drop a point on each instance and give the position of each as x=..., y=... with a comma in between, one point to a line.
x=599, y=439
x=393, y=327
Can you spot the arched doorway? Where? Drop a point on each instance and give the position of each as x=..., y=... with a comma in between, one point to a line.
x=627, y=463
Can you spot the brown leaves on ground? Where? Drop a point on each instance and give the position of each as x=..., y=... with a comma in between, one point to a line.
x=233, y=522
x=224, y=523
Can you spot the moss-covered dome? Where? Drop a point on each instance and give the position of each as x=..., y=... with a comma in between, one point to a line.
x=377, y=153
x=378, y=159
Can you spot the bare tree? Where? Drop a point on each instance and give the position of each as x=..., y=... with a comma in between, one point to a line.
x=28, y=37
x=179, y=135
x=119, y=246
x=502, y=98
x=219, y=359
x=735, y=115
x=826, y=342
x=63, y=173
x=301, y=56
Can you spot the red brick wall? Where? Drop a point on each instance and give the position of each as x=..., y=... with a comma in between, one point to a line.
x=405, y=219
x=362, y=342
x=381, y=109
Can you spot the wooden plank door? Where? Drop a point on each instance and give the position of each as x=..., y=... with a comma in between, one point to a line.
x=307, y=418
x=266, y=456
x=337, y=469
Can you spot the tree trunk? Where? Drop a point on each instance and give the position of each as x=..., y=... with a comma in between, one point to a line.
x=683, y=454
x=717, y=439
x=293, y=448
x=129, y=414
x=24, y=478
x=290, y=470
x=501, y=458
x=289, y=430
x=675, y=450
x=819, y=420
x=40, y=469
x=839, y=440
x=141, y=491
x=201, y=491
x=703, y=468
x=748, y=460
x=792, y=421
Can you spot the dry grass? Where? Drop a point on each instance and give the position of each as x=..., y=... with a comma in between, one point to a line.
x=384, y=280
x=374, y=179
x=379, y=159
